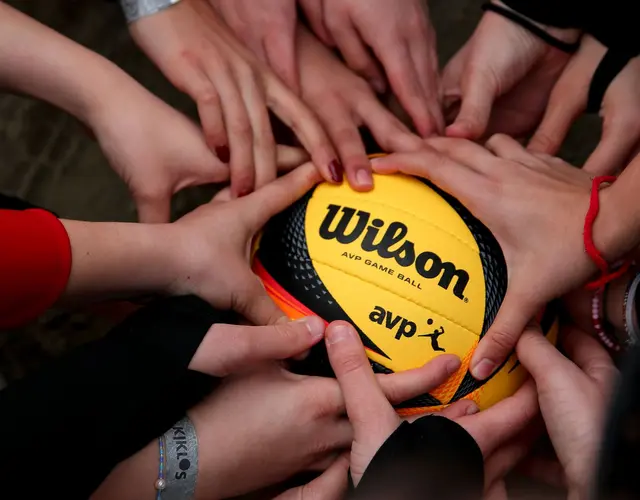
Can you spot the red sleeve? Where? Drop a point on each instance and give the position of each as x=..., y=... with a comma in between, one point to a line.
x=35, y=263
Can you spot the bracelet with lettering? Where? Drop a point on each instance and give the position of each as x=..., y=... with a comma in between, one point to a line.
x=137, y=9
x=181, y=459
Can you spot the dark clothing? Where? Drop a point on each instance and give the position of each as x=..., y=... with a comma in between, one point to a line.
x=66, y=427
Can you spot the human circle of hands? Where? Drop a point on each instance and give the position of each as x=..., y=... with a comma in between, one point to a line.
x=503, y=80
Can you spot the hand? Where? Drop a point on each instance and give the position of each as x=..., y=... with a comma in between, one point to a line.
x=261, y=409
x=501, y=79
x=213, y=243
x=268, y=28
x=574, y=394
x=620, y=111
x=343, y=102
x=535, y=206
x=158, y=151
x=400, y=35
x=374, y=420
x=201, y=57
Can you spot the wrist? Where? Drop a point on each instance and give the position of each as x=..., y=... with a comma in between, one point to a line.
x=113, y=260
x=616, y=230
x=567, y=35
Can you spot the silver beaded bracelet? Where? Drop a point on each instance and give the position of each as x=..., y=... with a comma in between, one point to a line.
x=137, y=9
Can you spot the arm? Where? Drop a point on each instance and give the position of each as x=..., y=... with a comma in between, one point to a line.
x=45, y=260
x=37, y=61
x=103, y=402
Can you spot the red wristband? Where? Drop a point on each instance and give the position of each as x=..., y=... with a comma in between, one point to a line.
x=607, y=272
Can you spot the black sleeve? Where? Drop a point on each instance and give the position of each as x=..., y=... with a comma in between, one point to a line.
x=66, y=427
x=556, y=13
x=432, y=458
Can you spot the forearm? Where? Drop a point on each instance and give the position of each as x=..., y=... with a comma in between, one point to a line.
x=112, y=259
x=37, y=61
x=103, y=402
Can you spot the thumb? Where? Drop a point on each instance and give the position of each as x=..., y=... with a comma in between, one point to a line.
x=154, y=208
x=502, y=337
x=450, y=82
x=227, y=349
x=331, y=485
x=278, y=195
x=539, y=357
x=478, y=93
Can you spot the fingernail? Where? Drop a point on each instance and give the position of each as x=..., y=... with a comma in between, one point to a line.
x=338, y=333
x=452, y=366
x=483, y=369
x=315, y=325
x=473, y=409
x=364, y=178
x=223, y=153
x=244, y=192
x=303, y=356
x=336, y=171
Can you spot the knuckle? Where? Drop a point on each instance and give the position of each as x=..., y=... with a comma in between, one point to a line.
x=350, y=362
x=241, y=128
x=503, y=340
x=208, y=96
x=543, y=141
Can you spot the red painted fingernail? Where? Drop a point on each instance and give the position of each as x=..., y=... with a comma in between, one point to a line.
x=223, y=153
x=336, y=171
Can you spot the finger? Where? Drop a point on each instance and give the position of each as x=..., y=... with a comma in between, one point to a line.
x=238, y=124
x=500, y=423
x=331, y=485
x=264, y=148
x=507, y=457
x=281, y=54
x=508, y=148
x=355, y=53
x=401, y=386
x=404, y=81
x=619, y=138
x=459, y=409
x=367, y=406
x=497, y=491
x=228, y=349
x=390, y=133
x=449, y=175
x=478, y=94
x=278, y=195
x=193, y=80
x=590, y=356
x=501, y=339
x=466, y=152
x=565, y=105
x=307, y=128
x=154, y=208
x=313, y=11
x=344, y=131
x=288, y=158
x=422, y=47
